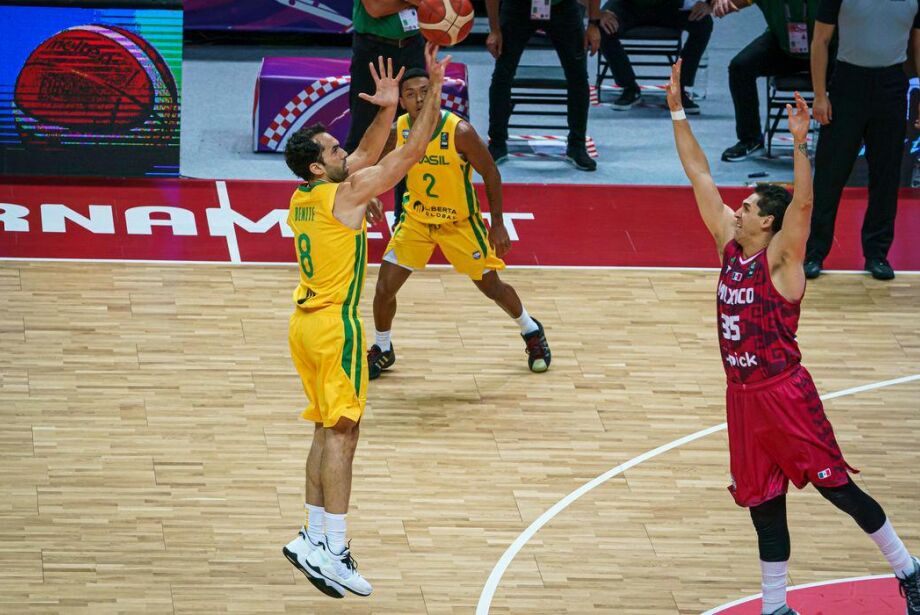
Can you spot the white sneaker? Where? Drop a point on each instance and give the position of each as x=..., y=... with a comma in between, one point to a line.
x=340, y=569
x=298, y=550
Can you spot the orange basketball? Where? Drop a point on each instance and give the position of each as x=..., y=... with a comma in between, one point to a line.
x=445, y=22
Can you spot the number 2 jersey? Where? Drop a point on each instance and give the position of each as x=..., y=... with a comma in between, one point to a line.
x=439, y=186
x=332, y=256
x=757, y=325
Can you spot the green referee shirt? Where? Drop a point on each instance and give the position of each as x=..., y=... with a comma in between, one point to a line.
x=389, y=26
x=775, y=12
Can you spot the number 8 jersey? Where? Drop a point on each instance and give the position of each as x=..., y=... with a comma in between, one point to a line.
x=439, y=186
x=757, y=325
x=332, y=256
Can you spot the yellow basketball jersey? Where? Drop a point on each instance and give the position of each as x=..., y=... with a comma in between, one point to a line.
x=332, y=257
x=439, y=185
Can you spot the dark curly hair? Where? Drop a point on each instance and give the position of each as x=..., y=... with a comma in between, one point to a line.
x=412, y=73
x=773, y=201
x=302, y=150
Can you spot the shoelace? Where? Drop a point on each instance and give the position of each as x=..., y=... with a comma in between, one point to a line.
x=350, y=562
x=535, y=347
x=910, y=591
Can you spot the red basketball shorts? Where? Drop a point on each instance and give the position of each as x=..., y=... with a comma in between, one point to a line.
x=778, y=432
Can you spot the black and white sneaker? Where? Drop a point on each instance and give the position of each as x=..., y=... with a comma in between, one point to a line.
x=498, y=151
x=910, y=589
x=298, y=550
x=537, y=349
x=742, y=150
x=689, y=105
x=379, y=360
x=341, y=569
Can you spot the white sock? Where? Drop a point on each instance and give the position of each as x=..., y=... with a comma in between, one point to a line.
x=894, y=550
x=382, y=339
x=335, y=532
x=314, y=522
x=525, y=322
x=773, y=584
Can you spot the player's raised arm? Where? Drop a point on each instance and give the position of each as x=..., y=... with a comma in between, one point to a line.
x=386, y=97
x=717, y=217
x=789, y=243
x=471, y=146
x=374, y=180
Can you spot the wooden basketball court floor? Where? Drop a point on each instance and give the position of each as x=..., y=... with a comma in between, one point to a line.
x=151, y=454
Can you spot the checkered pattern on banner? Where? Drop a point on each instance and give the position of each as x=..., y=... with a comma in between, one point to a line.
x=456, y=104
x=530, y=144
x=298, y=105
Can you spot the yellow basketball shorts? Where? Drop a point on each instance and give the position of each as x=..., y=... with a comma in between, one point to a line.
x=328, y=350
x=465, y=245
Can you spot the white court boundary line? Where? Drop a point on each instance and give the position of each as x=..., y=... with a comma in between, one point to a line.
x=491, y=585
x=729, y=605
x=223, y=198
x=293, y=264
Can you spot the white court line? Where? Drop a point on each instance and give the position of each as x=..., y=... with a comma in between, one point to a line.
x=153, y=261
x=729, y=605
x=224, y=199
x=488, y=590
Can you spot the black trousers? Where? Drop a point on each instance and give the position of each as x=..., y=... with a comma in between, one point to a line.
x=868, y=105
x=667, y=15
x=365, y=50
x=763, y=57
x=566, y=30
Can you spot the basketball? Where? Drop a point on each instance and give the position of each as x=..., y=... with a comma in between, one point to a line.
x=99, y=79
x=445, y=22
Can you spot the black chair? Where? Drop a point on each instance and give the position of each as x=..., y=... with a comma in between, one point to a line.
x=533, y=90
x=780, y=92
x=650, y=49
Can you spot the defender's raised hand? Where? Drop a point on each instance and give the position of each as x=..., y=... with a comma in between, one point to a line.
x=436, y=68
x=387, y=92
x=799, y=119
x=674, y=91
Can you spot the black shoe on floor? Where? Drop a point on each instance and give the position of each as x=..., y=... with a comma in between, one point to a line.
x=537, y=349
x=690, y=107
x=578, y=156
x=628, y=98
x=813, y=269
x=378, y=360
x=499, y=152
x=742, y=151
x=879, y=268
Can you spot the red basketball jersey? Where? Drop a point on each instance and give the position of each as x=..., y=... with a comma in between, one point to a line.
x=756, y=324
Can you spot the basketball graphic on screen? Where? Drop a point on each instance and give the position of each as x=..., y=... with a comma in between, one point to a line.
x=92, y=81
x=445, y=22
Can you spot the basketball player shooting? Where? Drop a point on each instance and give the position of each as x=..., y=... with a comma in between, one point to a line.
x=777, y=429
x=328, y=218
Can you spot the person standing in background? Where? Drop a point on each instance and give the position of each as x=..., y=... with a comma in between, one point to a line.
x=510, y=28
x=387, y=28
x=866, y=102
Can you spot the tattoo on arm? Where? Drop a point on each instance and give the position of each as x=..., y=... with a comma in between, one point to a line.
x=803, y=148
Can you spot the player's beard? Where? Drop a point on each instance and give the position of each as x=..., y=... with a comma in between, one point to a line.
x=337, y=174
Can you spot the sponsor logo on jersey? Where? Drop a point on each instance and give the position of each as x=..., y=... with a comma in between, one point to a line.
x=405, y=134
x=418, y=206
x=825, y=473
x=745, y=360
x=477, y=255
x=735, y=296
x=445, y=140
x=736, y=276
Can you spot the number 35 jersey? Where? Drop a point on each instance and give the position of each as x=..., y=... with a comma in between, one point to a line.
x=332, y=256
x=439, y=186
x=757, y=325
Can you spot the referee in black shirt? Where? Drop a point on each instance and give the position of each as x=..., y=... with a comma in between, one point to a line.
x=866, y=101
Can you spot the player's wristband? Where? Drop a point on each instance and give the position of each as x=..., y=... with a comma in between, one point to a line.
x=678, y=115
x=594, y=22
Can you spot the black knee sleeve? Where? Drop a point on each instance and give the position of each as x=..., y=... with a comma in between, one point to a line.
x=772, y=530
x=855, y=502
